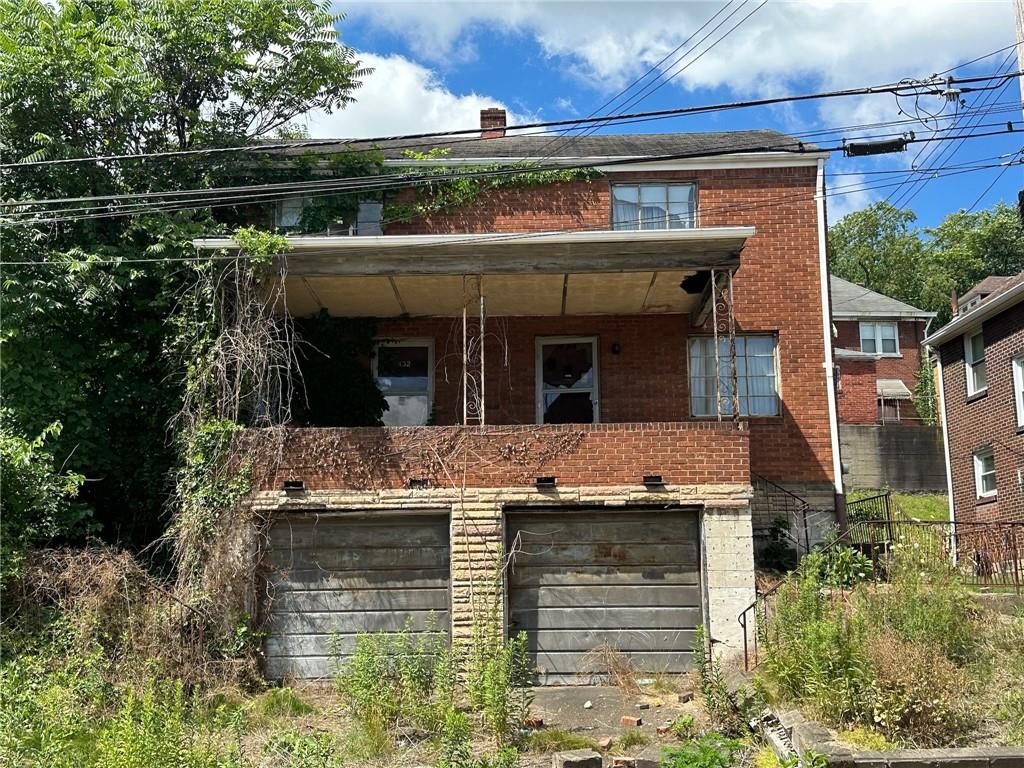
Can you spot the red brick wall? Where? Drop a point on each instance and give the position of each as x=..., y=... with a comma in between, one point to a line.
x=858, y=402
x=777, y=289
x=988, y=419
x=509, y=456
x=857, y=399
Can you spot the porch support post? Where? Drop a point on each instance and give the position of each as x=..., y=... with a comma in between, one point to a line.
x=723, y=321
x=473, y=326
x=715, y=328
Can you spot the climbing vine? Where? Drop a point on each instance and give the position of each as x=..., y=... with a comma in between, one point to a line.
x=447, y=195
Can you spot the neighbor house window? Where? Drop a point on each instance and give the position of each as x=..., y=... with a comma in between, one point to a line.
x=1018, y=388
x=404, y=373
x=756, y=376
x=974, y=360
x=567, y=386
x=288, y=213
x=654, y=206
x=985, y=472
x=879, y=338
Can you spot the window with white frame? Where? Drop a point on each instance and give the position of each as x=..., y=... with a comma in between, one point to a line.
x=654, y=206
x=879, y=338
x=757, y=378
x=974, y=362
x=985, y=473
x=1018, y=388
x=404, y=373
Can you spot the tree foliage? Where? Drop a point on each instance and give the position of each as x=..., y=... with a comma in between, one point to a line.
x=881, y=248
x=87, y=333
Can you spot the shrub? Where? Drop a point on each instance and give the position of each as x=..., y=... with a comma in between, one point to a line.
x=157, y=729
x=683, y=727
x=917, y=694
x=710, y=751
x=499, y=683
x=814, y=648
x=844, y=567
x=399, y=678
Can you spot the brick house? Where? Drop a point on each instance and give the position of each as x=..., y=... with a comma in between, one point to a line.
x=586, y=378
x=980, y=357
x=878, y=354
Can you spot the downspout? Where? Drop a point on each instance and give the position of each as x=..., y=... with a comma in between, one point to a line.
x=945, y=452
x=828, y=364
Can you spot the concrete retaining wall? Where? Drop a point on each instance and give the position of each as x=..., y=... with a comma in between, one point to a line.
x=899, y=456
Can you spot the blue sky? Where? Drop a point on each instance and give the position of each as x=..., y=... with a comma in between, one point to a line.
x=438, y=63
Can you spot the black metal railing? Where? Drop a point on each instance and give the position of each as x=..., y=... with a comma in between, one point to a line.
x=783, y=503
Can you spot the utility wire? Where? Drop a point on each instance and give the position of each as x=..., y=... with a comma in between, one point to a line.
x=890, y=88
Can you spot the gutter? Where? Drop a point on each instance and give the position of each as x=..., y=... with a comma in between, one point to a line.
x=987, y=310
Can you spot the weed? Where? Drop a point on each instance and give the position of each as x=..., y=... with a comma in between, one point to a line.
x=282, y=702
x=631, y=739
x=766, y=758
x=684, y=727
x=710, y=751
x=1011, y=712
x=612, y=665
x=714, y=691
x=865, y=738
x=844, y=567
x=311, y=750
x=549, y=740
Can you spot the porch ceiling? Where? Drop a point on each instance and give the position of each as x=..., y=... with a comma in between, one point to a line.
x=615, y=293
x=545, y=273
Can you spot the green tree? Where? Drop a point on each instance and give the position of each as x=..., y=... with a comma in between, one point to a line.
x=85, y=334
x=880, y=248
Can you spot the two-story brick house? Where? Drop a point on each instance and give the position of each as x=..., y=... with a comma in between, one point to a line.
x=878, y=354
x=981, y=372
x=583, y=377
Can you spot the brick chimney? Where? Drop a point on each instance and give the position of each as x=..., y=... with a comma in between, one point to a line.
x=492, y=123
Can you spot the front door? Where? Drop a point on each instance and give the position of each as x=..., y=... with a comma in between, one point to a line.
x=567, y=386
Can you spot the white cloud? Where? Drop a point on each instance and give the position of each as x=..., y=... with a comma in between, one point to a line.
x=403, y=97
x=609, y=43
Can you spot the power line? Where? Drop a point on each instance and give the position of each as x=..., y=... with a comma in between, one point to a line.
x=916, y=88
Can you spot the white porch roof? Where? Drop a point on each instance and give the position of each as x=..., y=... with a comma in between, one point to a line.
x=547, y=273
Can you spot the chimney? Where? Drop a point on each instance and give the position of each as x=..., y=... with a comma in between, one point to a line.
x=954, y=303
x=492, y=123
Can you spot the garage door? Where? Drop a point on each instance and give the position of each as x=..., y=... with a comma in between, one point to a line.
x=332, y=578
x=629, y=581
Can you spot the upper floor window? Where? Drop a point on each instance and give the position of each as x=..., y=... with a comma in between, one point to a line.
x=404, y=373
x=985, y=473
x=879, y=338
x=1018, y=388
x=288, y=212
x=974, y=362
x=654, y=206
x=756, y=376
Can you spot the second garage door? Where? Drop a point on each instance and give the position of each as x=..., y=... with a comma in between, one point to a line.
x=583, y=580
x=334, y=577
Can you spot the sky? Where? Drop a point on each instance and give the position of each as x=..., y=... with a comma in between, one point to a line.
x=437, y=64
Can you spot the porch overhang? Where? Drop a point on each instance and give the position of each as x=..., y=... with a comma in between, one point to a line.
x=546, y=273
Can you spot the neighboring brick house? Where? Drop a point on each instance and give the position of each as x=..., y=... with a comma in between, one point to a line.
x=878, y=354
x=549, y=357
x=981, y=374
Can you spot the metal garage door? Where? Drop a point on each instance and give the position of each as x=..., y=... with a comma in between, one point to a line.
x=626, y=580
x=333, y=577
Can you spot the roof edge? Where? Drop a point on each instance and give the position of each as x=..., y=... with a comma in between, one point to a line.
x=988, y=309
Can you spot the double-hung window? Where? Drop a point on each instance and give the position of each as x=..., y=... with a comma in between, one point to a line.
x=404, y=373
x=288, y=212
x=654, y=206
x=757, y=378
x=1018, y=388
x=974, y=362
x=879, y=338
x=985, y=473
